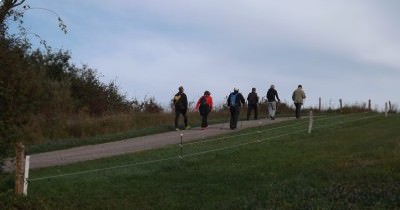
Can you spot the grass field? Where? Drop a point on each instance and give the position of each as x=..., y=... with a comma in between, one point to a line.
x=347, y=162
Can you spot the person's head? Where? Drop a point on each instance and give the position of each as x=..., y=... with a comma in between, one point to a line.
x=235, y=90
x=207, y=93
x=273, y=86
x=180, y=89
x=253, y=90
x=300, y=86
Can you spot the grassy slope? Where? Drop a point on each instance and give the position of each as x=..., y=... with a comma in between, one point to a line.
x=346, y=163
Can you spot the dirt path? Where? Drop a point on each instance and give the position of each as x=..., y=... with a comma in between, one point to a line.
x=91, y=152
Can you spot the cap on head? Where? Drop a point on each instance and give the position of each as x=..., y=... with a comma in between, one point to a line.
x=180, y=88
x=300, y=86
x=207, y=93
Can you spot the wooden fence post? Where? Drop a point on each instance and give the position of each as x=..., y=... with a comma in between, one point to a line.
x=369, y=104
x=386, y=109
x=19, y=168
x=319, y=106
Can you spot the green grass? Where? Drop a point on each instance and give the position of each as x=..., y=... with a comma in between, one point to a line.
x=347, y=162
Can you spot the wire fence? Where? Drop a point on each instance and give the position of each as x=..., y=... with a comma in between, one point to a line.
x=297, y=126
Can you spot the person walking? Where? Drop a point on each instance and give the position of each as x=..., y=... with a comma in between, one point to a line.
x=204, y=105
x=181, y=106
x=235, y=101
x=252, y=104
x=272, y=96
x=298, y=96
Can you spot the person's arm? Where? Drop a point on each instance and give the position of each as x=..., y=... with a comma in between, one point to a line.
x=210, y=102
x=185, y=101
x=293, y=95
x=242, y=99
x=197, y=104
x=277, y=97
x=228, y=100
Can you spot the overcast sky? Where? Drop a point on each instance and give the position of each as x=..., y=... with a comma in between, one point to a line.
x=347, y=49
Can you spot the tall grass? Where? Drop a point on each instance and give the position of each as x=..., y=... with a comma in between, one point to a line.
x=83, y=129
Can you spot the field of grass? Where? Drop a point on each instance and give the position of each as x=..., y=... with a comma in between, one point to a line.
x=347, y=162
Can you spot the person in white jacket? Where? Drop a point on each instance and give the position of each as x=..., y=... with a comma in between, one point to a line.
x=298, y=97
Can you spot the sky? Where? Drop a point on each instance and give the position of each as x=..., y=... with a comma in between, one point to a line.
x=342, y=49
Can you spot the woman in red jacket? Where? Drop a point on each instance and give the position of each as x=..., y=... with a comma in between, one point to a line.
x=204, y=105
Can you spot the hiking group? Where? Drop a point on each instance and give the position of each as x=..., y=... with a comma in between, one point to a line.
x=235, y=101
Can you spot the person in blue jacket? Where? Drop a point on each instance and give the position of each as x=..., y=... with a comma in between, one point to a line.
x=235, y=101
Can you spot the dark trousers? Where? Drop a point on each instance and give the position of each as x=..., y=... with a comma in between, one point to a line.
x=235, y=111
x=250, y=108
x=185, y=118
x=204, y=121
x=298, y=109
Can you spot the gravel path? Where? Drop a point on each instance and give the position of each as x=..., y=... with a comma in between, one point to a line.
x=91, y=152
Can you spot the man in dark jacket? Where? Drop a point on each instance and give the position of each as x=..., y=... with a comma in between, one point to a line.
x=235, y=101
x=252, y=104
x=181, y=106
x=272, y=96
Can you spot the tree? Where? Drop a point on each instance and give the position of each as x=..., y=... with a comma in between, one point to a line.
x=7, y=10
x=21, y=85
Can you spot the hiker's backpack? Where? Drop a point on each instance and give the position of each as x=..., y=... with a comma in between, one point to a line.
x=233, y=99
x=203, y=101
x=178, y=102
x=204, y=108
x=252, y=99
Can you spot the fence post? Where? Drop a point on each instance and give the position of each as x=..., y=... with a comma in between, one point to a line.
x=181, y=147
x=319, y=105
x=390, y=106
x=386, y=109
x=310, y=125
x=341, y=104
x=369, y=104
x=19, y=167
x=26, y=174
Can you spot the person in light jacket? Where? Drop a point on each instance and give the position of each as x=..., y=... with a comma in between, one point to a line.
x=298, y=97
